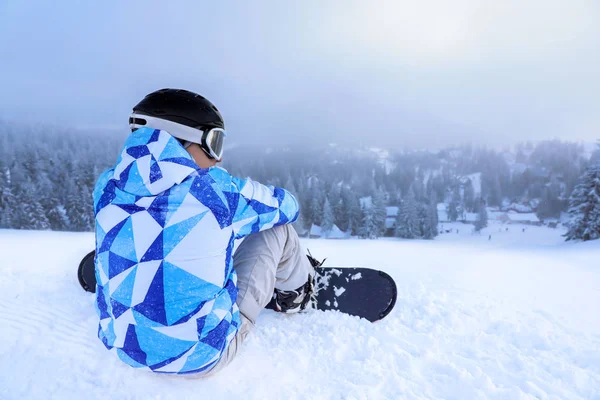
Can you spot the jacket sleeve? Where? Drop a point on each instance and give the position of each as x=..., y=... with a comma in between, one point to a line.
x=261, y=207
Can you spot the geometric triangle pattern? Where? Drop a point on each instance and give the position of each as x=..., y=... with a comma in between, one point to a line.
x=122, y=290
x=165, y=231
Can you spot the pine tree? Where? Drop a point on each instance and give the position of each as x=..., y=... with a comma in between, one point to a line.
x=495, y=192
x=337, y=207
x=453, y=208
x=21, y=207
x=305, y=212
x=4, y=183
x=290, y=187
x=425, y=231
x=355, y=216
x=38, y=216
x=482, y=217
x=407, y=223
x=316, y=205
x=328, y=218
x=550, y=206
x=595, y=158
x=7, y=209
x=369, y=228
x=5, y=194
x=73, y=210
x=452, y=211
x=469, y=197
x=584, y=207
x=379, y=212
x=433, y=219
x=430, y=193
x=56, y=215
x=395, y=196
x=88, y=209
x=352, y=212
x=79, y=210
x=30, y=212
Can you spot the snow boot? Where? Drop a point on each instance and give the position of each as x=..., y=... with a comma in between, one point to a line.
x=293, y=301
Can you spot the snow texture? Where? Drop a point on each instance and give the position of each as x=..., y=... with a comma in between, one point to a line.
x=514, y=317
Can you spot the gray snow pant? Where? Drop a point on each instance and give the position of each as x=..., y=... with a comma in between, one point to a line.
x=263, y=261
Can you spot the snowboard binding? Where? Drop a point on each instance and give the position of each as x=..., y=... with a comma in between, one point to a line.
x=293, y=301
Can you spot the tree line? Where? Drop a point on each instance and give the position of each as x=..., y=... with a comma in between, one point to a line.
x=47, y=175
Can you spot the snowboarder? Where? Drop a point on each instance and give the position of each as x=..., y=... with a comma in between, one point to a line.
x=171, y=295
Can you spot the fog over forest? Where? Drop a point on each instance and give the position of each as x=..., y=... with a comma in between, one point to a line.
x=47, y=175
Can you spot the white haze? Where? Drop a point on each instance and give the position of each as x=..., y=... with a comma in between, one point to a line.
x=397, y=73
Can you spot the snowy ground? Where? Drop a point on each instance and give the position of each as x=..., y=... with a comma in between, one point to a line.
x=514, y=317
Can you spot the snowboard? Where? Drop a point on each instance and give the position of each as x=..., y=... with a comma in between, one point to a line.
x=86, y=273
x=362, y=292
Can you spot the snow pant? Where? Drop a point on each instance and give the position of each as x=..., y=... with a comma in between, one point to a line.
x=264, y=261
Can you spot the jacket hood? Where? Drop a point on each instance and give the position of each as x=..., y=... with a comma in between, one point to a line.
x=152, y=161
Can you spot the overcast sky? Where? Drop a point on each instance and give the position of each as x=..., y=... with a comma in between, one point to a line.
x=397, y=73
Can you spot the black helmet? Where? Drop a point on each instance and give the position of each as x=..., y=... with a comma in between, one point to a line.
x=181, y=106
x=185, y=115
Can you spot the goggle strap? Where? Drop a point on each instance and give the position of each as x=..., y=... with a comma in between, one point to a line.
x=187, y=134
x=179, y=131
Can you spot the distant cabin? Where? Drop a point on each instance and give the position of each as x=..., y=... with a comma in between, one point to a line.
x=316, y=232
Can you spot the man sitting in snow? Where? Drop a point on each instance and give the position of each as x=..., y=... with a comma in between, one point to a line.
x=171, y=295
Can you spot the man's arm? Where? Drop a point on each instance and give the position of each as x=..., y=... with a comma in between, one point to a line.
x=261, y=207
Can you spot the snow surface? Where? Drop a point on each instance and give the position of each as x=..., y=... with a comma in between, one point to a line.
x=514, y=317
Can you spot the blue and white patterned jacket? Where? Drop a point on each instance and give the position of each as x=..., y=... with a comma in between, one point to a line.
x=165, y=231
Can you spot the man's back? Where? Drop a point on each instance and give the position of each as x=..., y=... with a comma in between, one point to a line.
x=165, y=231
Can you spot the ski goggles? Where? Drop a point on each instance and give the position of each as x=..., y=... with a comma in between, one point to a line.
x=210, y=139
x=212, y=142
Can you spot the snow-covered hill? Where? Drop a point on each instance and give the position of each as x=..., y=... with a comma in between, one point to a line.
x=514, y=317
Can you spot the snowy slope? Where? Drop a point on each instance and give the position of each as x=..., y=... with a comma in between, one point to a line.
x=515, y=317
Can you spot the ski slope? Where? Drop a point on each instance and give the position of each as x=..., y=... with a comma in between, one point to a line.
x=514, y=317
